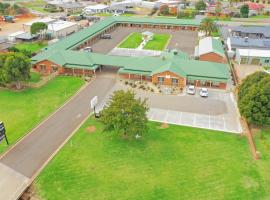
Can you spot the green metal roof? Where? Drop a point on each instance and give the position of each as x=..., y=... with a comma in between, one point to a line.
x=174, y=61
x=217, y=47
x=83, y=35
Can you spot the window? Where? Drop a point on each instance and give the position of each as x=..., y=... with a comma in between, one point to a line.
x=42, y=67
x=266, y=61
x=161, y=79
x=54, y=68
x=174, y=81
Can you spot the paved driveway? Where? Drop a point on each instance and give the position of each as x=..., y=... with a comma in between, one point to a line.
x=27, y=157
x=217, y=112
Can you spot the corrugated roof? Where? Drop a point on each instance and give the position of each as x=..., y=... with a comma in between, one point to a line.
x=174, y=61
x=208, y=45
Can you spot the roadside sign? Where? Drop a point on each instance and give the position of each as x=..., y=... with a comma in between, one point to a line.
x=94, y=102
x=2, y=132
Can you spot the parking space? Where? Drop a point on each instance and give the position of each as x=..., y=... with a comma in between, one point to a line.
x=183, y=40
x=217, y=112
x=192, y=119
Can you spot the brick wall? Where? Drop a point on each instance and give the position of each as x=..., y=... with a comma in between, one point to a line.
x=46, y=67
x=168, y=78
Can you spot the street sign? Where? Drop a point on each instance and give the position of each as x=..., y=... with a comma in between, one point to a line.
x=94, y=102
x=2, y=132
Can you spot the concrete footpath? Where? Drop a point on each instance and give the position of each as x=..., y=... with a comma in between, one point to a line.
x=23, y=162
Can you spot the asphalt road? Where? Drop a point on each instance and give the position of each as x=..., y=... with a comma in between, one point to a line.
x=29, y=155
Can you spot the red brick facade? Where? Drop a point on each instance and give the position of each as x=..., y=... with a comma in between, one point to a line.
x=169, y=78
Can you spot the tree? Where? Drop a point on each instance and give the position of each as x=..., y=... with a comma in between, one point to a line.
x=125, y=114
x=244, y=10
x=38, y=27
x=218, y=8
x=164, y=9
x=208, y=26
x=254, y=98
x=200, y=5
x=17, y=68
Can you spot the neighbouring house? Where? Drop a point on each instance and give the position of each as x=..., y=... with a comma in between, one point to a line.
x=172, y=68
x=61, y=28
x=99, y=8
x=46, y=20
x=71, y=7
x=12, y=37
x=242, y=40
x=210, y=49
x=256, y=32
x=4, y=45
x=26, y=37
x=253, y=57
x=56, y=28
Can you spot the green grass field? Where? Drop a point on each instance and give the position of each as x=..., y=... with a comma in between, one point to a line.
x=158, y=43
x=31, y=46
x=21, y=111
x=132, y=41
x=173, y=163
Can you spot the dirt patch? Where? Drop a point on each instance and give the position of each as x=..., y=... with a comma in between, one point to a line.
x=164, y=125
x=91, y=129
x=30, y=194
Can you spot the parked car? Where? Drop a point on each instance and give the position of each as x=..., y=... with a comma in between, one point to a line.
x=106, y=36
x=204, y=92
x=88, y=49
x=191, y=89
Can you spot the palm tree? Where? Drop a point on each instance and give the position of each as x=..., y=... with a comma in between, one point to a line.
x=208, y=26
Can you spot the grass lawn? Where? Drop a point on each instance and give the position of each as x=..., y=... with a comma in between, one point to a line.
x=173, y=163
x=21, y=111
x=260, y=17
x=132, y=41
x=34, y=77
x=158, y=43
x=31, y=46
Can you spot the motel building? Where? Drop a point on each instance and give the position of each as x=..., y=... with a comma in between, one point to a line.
x=173, y=68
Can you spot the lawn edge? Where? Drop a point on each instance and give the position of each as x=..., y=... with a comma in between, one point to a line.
x=44, y=120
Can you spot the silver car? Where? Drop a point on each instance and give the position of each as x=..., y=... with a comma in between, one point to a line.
x=204, y=92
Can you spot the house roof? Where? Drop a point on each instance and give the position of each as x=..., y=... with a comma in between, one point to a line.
x=253, y=29
x=209, y=45
x=254, y=53
x=250, y=42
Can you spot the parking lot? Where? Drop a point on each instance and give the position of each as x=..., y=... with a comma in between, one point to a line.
x=183, y=40
x=217, y=112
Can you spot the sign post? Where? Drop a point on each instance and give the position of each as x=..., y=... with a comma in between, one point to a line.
x=93, y=103
x=3, y=132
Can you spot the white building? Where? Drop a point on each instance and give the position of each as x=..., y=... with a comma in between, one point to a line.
x=60, y=28
x=99, y=8
x=253, y=57
x=12, y=37
x=47, y=20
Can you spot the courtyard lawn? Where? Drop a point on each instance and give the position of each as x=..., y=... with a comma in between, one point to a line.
x=133, y=41
x=159, y=42
x=31, y=46
x=168, y=163
x=22, y=111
